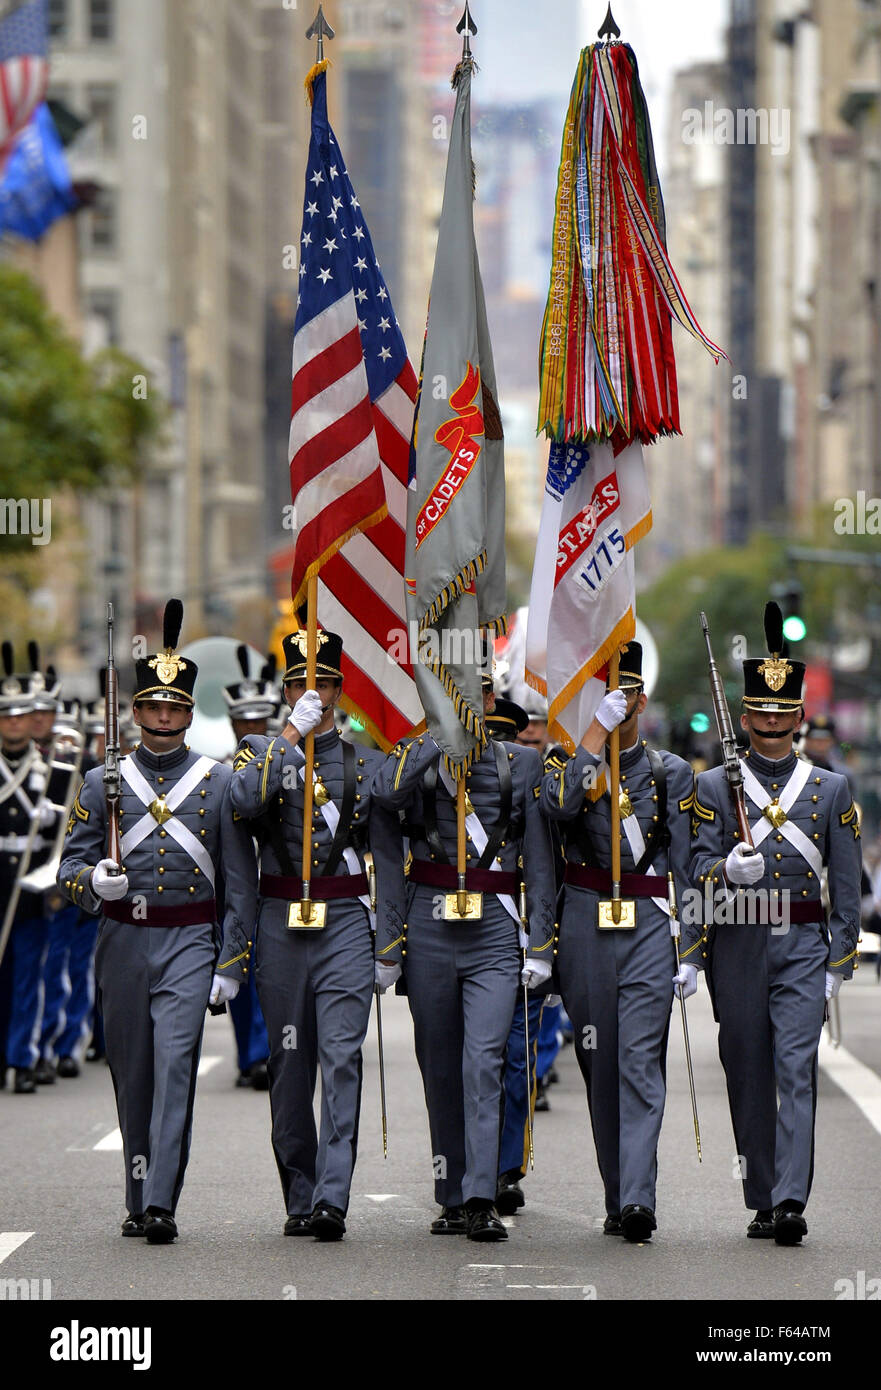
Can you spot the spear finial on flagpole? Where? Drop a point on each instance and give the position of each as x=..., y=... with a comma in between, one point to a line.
x=466, y=27
x=609, y=26
x=319, y=28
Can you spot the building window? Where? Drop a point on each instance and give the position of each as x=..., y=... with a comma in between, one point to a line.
x=101, y=20
x=104, y=305
x=101, y=105
x=58, y=19
x=104, y=228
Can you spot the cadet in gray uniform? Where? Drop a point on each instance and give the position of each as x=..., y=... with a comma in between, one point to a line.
x=617, y=984
x=159, y=937
x=771, y=963
x=315, y=983
x=462, y=977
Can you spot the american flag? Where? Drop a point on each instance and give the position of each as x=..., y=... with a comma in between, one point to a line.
x=353, y=394
x=24, y=69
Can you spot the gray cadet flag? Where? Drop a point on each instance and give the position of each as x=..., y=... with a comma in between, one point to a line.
x=455, y=558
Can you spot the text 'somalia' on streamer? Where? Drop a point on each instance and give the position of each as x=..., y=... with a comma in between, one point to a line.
x=353, y=393
x=607, y=386
x=456, y=504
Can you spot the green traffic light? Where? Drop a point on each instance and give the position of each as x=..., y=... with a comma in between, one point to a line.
x=699, y=723
x=794, y=628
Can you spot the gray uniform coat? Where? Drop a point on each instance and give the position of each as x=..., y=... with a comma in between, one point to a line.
x=767, y=977
x=617, y=985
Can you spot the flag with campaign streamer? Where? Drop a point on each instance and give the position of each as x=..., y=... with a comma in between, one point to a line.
x=352, y=400
x=455, y=562
x=24, y=69
x=607, y=385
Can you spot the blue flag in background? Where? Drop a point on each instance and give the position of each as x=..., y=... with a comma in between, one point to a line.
x=35, y=188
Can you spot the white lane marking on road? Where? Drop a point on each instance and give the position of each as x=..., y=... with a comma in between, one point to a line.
x=86, y=1142
x=113, y=1140
x=858, y=1081
x=11, y=1240
x=380, y=1196
x=206, y=1064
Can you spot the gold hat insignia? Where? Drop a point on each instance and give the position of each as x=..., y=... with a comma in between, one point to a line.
x=301, y=640
x=167, y=666
x=775, y=669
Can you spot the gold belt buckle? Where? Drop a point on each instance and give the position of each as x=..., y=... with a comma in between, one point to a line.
x=317, y=920
x=473, y=908
x=775, y=814
x=626, y=921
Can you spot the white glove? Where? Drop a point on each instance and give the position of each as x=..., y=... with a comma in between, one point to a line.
x=385, y=973
x=223, y=990
x=685, y=981
x=47, y=815
x=535, y=973
x=833, y=984
x=744, y=865
x=307, y=713
x=612, y=710
x=107, y=885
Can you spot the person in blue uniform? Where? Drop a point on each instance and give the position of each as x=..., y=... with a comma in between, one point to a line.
x=617, y=984
x=315, y=978
x=771, y=953
x=250, y=703
x=463, y=978
x=159, y=936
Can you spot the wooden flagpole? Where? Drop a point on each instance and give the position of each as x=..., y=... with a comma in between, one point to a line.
x=311, y=663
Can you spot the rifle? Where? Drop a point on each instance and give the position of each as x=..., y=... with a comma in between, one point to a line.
x=729, y=744
x=112, y=784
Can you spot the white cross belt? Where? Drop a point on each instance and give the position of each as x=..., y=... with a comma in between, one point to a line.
x=146, y=794
x=787, y=799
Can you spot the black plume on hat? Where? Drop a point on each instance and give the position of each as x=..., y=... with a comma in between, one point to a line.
x=269, y=670
x=172, y=623
x=102, y=682
x=243, y=659
x=774, y=628
x=8, y=661
x=34, y=656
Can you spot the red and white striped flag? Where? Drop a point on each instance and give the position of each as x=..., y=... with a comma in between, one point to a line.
x=24, y=69
x=353, y=394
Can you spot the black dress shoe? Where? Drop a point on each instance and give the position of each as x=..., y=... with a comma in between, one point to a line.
x=509, y=1194
x=542, y=1103
x=762, y=1226
x=552, y=1077
x=637, y=1223
x=94, y=1054
x=789, y=1224
x=298, y=1226
x=327, y=1223
x=243, y=1079
x=484, y=1223
x=259, y=1076
x=159, y=1226
x=44, y=1073
x=612, y=1224
x=25, y=1081
x=134, y=1224
x=451, y=1222
x=68, y=1066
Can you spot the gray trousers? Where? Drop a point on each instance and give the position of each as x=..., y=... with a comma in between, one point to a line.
x=768, y=995
x=618, y=991
x=462, y=986
x=154, y=984
x=315, y=989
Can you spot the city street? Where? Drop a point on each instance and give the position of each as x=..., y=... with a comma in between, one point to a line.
x=63, y=1185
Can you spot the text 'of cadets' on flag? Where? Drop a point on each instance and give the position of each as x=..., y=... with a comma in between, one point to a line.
x=353, y=391
x=24, y=68
x=456, y=504
x=607, y=386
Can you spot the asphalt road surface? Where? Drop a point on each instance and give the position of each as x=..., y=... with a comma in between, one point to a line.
x=62, y=1189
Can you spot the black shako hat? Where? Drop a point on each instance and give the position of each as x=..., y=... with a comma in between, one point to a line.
x=820, y=726
x=45, y=689
x=630, y=667
x=773, y=683
x=15, y=691
x=506, y=721
x=252, y=698
x=329, y=654
x=165, y=676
